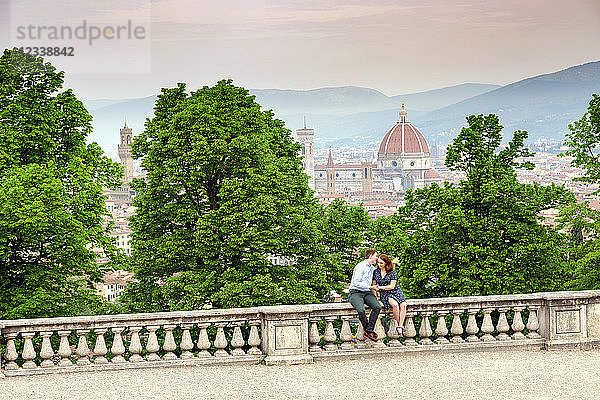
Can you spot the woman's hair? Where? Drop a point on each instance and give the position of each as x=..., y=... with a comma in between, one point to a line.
x=388, y=264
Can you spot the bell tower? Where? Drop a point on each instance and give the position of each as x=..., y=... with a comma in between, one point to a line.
x=126, y=136
x=330, y=174
x=306, y=138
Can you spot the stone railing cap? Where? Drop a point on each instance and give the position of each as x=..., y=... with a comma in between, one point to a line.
x=256, y=312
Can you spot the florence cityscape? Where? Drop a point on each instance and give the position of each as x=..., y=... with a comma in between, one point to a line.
x=314, y=199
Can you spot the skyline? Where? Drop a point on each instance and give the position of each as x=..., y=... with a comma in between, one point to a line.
x=396, y=49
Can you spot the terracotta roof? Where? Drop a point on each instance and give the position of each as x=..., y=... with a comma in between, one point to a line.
x=345, y=166
x=403, y=138
x=380, y=203
x=432, y=174
x=595, y=204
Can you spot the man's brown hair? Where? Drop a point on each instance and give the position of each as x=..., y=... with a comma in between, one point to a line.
x=369, y=253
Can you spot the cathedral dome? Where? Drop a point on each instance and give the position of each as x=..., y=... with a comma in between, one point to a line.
x=403, y=138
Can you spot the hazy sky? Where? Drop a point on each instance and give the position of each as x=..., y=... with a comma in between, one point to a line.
x=394, y=46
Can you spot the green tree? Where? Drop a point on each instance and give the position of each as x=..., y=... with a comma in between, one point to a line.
x=51, y=203
x=224, y=190
x=583, y=244
x=583, y=140
x=344, y=228
x=482, y=236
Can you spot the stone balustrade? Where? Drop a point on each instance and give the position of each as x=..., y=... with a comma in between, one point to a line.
x=130, y=341
x=296, y=333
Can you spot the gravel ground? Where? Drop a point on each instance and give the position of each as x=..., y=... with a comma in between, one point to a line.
x=564, y=374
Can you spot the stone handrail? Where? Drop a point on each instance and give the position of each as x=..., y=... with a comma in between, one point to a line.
x=295, y=333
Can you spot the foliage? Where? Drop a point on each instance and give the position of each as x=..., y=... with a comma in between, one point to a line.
x=583, y=140
x=482, y=236
x=583, y=245
x=224, y=190
x=344, y=228
x=51, y=204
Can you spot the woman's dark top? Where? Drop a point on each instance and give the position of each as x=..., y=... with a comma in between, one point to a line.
x=384, y=295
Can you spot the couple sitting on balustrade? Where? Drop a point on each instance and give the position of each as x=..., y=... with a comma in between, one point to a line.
x=366, y=281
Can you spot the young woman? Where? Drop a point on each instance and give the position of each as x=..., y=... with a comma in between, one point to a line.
x=384, y=280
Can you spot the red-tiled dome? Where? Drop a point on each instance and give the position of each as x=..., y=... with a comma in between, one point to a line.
x=403, y=138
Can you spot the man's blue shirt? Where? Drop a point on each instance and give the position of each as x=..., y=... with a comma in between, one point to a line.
x=362, y=277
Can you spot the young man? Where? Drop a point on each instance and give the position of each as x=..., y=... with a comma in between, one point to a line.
x=361, y=294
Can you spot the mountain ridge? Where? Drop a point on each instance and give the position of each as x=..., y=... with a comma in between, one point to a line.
x=543, y=104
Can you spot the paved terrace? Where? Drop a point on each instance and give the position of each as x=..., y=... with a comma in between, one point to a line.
x=495, y=374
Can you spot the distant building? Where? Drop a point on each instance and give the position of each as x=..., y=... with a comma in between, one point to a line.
x=333, y=178
x=126, y=136
x=113, y=283
x=124, y=192
x=306, y=138
x=404, y=154
x=403, y=162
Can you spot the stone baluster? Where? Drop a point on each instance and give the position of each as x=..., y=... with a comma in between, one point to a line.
x=487, y=327
x=314, y=337
x=346, y=334
x=502, y=326
x=237, y=340
x=380, y=331
x=152, y=346
x=2, y=376
x=425, y=329
x=409, y=332
x=203, y=341
x=456, y=329
x=83, y=351
x=117, y=348
x=100, y=347
x=221, y=341
x=47, y=352
x=441, y=329
x=330, y=336
x=361, y=342
x=64, y=349
x=11, y=351
x=472, y=328
x=393, y=333
x=28, y=350
x=28, y=353
x=169, y=345
x=254, y=339
x=135, y=346
x=517, y=325
x=532, y=323
x=186, y=342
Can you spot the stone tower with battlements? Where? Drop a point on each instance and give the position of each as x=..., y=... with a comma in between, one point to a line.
x=126, y=136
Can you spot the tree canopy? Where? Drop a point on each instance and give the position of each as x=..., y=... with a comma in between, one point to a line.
x=51, y=203
x=583, y=140
x=482, y=236
x=223, y=194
